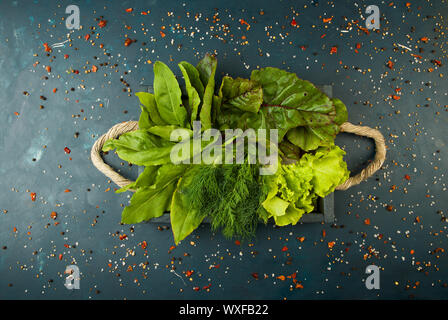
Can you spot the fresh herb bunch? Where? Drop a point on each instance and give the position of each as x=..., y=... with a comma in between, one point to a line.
x=230, y=196
x=233, y=197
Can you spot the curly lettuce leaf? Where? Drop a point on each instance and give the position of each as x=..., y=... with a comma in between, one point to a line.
x=293, y=190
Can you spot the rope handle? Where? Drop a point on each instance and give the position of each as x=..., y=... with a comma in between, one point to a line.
x=128, y=126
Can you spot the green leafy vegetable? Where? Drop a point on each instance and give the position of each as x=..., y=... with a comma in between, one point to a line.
x=168, y=95
x=233, y=197
x=141, y=148
x=241, y=93
x=207, y=70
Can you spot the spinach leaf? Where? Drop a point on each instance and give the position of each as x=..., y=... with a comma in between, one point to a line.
x=144, y=121
x=194, y=97
x=165, y=131
x=310, y=138
x=151, y=202
x=145, y=179
x=168, y=95
x=147, y=203
x=141, y=148
x=184, y=217
x=207, y=70
x=148, y=101
x=240, y=93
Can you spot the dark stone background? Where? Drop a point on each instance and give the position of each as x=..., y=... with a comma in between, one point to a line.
x=408, y=241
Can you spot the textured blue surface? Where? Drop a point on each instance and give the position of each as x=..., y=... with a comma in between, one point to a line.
x=32, y=142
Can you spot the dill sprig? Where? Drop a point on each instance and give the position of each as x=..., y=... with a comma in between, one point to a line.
x=230, y=195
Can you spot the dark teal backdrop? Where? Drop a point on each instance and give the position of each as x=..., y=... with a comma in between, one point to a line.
x=396, y=220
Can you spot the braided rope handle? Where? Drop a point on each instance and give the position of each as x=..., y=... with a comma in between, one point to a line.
x=128, y=126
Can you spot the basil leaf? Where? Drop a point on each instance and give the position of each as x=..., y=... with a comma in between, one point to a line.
x=168, y=95
x=241, y=93
x=148, y=101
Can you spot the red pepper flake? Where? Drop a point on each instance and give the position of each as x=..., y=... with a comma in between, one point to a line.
x=294, y=22
x=48, y=68
x=129, y=10
x=76, y=71
x=323, y=233
x=407, y=177
x=390, y=64
x=424, y=39
x=285, y=248
x=33, y=196
x=303, y=48
x=47, y=47
x=282, y=278
x=53, y=215
x=389, y=207
x=144, y=245
x=301, y=239
x=237, y=242
x=334, y=49
x=67, y=150
x=14, y=229
x=144, y=13
x=66, y=56
x=16, y=113
x=188, y=273
x=102, y=23
x=437, y=62
x=412, y=251
x=87, y=37
x=60, y=256
x=395, y=97
x=162, y=34
x=299, y=286
x=331, y=244
x=196, y=288
x=171, y=248
x=255, y=275
x=326, y=20
x=416, y=56
x=408, y=4
x=367, y=221
x=207, y=286
x=67, y=246
x=123, y=236
x=67, y=190
x=128, y=42
x=323, y=36
x=94, y=68
x=244, y=22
